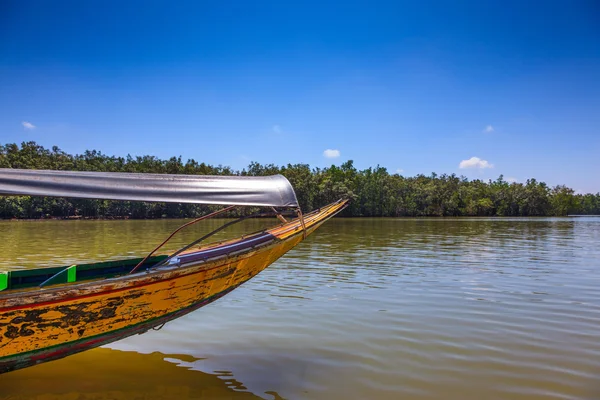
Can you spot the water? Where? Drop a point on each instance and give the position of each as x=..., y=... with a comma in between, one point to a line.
x=365, y=308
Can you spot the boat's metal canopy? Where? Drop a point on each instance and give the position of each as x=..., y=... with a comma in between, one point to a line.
x=275, y=190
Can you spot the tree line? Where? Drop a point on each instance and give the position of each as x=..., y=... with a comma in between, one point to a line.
x=374, y=191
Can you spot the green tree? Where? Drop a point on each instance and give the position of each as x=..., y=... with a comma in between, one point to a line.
x=373, y=190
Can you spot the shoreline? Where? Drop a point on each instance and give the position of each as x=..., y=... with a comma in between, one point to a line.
x=339, y=216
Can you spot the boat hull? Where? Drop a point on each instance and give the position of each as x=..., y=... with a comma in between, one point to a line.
x=43, y=325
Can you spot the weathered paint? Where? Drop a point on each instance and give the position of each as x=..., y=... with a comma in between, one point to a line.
x=45, y=324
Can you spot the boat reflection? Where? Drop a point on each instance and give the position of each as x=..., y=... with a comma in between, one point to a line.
x=114, y=374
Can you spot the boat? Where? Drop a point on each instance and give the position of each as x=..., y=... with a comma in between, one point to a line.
x=53, y=312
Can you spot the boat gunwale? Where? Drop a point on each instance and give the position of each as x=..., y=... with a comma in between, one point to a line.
x=31, y=297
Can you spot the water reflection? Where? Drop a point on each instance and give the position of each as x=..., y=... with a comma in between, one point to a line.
x=113, y=374
x=30, y=244
x=367, y=308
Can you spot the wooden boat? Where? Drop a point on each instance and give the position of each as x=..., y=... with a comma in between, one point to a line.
x=50, y=313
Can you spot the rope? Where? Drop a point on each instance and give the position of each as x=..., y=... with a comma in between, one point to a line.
x=163, y=262
x=177, y=230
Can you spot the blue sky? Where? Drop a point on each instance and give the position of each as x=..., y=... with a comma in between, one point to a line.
x=497, y=88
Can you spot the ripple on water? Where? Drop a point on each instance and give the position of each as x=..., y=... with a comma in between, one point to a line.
x=368, y=308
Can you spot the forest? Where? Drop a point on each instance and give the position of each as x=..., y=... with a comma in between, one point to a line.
x=374, y=191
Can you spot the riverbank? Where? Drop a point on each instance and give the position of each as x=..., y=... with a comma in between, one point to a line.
x=81, y=218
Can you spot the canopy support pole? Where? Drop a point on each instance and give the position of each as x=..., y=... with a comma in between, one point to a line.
x=279, y=216
x=299, y=211
x=177, y=230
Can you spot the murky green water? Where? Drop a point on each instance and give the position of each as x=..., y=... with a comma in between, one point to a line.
x=365, y=308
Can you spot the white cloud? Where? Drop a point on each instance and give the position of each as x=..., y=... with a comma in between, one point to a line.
x=510, y=179
x=276, y=129
x=399, y=171
x=329, y=153
x=488, y=129
x=475, y=162
x=28, y=125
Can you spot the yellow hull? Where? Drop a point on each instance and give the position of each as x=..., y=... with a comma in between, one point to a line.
x=44, y=324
